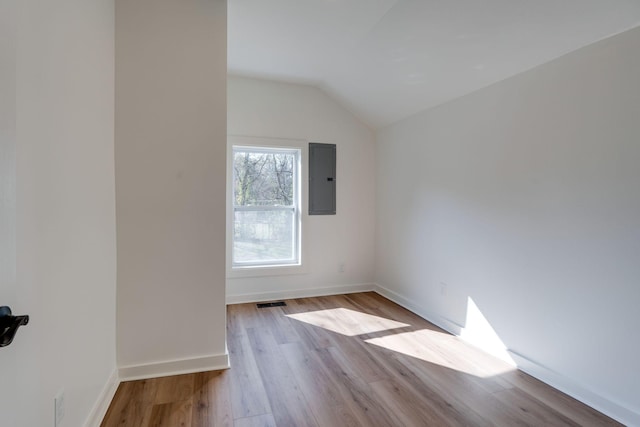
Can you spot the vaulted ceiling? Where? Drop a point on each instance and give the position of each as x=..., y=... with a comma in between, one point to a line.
x=389, y=59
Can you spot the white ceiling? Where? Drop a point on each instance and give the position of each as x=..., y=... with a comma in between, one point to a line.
x=388, y=59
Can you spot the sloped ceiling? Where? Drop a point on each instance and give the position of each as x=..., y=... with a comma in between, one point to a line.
x=389, y=59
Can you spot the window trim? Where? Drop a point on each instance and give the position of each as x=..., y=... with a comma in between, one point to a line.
x=294, y=208
x=252, y=270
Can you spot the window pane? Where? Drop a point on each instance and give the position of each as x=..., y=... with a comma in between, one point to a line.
x=263, y=178
x=264, y=236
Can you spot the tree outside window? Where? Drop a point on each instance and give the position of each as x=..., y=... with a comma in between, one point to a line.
x=266, y=206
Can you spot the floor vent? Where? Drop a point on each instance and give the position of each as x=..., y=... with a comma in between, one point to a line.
x=271, y=304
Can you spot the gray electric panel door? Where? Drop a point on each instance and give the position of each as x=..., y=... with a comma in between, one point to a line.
x=322, y=179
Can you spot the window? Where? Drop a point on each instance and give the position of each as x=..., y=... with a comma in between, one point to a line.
x=266, y=206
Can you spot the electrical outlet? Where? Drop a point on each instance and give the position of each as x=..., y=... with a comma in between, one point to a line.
x=59, y=408
x=341, y=267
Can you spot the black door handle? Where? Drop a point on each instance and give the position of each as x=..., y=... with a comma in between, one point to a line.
x=9, y=325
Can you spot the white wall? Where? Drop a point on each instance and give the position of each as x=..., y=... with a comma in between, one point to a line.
x=262, y=108
x=8, y=286
x=57, y=103
x=524, y=196
x=170, y=172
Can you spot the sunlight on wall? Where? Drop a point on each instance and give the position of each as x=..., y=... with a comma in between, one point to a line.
x=347, y=322
x=478, y=331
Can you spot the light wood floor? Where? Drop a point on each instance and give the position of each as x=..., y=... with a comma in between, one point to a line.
x=348, y=360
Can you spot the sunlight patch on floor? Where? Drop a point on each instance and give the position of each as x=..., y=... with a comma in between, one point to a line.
x=347, y=322
x=440, y=349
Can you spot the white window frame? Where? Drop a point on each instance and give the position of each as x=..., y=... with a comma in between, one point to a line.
x=267, y=269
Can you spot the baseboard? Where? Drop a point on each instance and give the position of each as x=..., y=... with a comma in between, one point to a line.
x=101, y=406
x=442, y=322
x=608, y=407
x=299, y=293
x=174, y=367
x=579, y=392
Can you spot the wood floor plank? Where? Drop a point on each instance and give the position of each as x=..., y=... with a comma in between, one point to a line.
x=115, y=413
x=407, y=407
x=130, y=407
x=312, y=337
x=172, y=414
x=446, y=402
x=563, y=403
x=531, y=411
x=248, y=395
x=247, y=316
x=138, y=414
x=211, y=400
x=452, y=393
x=313, y=380
x=282, y=329
x=366, y=366
x=318, y=387
x=288, y=405
x=346, y=360
x=257, y=421
x=235, y=325
x=173, y=389
x=357, y=393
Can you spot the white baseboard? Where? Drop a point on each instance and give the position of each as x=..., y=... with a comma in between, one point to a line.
x=442, y=322
x=608, y=407
x=101, y=406
x=174, y=367
x=579, y=392
x=299, y=293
